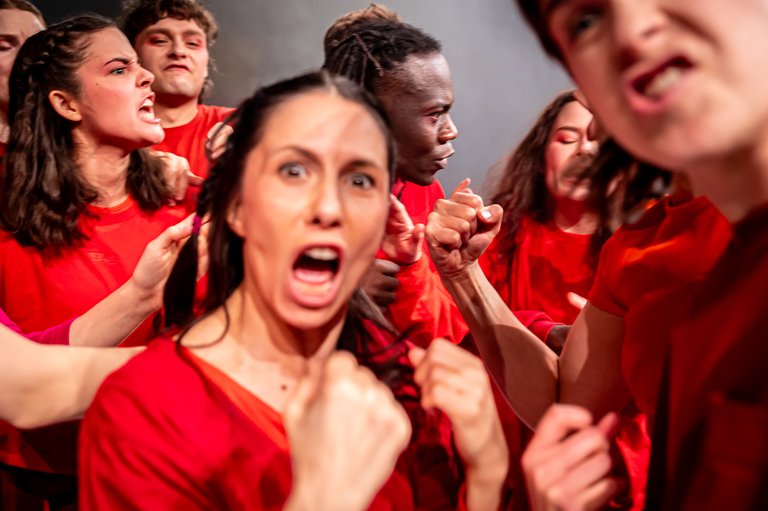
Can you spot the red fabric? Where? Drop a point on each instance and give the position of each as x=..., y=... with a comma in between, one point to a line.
x=189, y=140
x=41, y=289
x=58, y=334
x=161, y=434
x=675, y=242
x=717, y=447
x=547, y=264
x=423, y=307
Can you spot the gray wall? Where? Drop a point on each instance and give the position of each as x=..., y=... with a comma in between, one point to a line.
x=502, y=78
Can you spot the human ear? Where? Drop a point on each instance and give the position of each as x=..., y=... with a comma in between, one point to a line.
x=234, y=219
x=65, y=105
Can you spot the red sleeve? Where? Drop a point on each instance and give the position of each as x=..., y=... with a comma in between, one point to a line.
x=424, y=309
x=58, y=334
x=602, y=295
x=537, y=322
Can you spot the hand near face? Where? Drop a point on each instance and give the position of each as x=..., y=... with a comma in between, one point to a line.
x=460, y=229
x=177, y=174
x=567, y=464
x=346, y=432
x=216, y=140
x=402, y=239
x=380, y=282
x=454, y=381
x=158, y=258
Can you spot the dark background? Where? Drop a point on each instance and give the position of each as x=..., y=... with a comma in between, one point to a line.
x=502, y=78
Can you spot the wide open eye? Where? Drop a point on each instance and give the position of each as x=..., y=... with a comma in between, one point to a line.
x=361, y=180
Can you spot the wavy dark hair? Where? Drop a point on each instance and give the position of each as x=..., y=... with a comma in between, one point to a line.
x=522, y=190
x=367, y=47
x=42, y=191
x=225, y=248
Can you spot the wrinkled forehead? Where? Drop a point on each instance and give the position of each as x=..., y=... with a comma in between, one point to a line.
x=19, y=23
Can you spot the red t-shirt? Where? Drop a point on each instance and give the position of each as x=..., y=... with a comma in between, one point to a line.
x=675, y=242
x=42, y=289
x=423, y=307
x=189, y=140
x=547, y=264
x=717, y=435
x=168, y=431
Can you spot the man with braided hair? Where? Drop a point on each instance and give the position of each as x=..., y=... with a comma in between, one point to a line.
x=173, y=39
x=406, y=71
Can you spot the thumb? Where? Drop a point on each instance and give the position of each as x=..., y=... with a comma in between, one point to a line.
x=194, y=179
x=416, y=355
x=609, y=425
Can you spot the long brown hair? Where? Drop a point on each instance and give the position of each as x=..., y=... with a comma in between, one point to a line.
x=42, y=192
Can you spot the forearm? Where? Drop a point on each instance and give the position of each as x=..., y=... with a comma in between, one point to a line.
x=523, y=367
x=45, y=384
x=114, y=318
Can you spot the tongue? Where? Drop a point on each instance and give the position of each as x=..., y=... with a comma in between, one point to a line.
x=313, y=275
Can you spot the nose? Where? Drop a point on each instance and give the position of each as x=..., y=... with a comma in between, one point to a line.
x=178, y=48
x=588, y=146
x=326, y=205
x=636, y=24
x=448, y=130
x=145, y=78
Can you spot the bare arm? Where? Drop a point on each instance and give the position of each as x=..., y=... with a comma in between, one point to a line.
x=42, y=384
x=531, y=376
x=116, y=316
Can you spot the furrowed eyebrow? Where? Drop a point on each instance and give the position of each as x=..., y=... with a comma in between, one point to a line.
x=121, y=60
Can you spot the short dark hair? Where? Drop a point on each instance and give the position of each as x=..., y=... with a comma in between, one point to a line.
x=22, y=5
x=139, y=14
x=531, y=10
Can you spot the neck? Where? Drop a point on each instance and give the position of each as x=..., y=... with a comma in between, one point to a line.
x=175, y=111
x=105, y=169
x=735, y=184
x=265, y=337
x=574, y=217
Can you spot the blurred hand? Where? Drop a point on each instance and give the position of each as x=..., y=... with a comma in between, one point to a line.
x=177, y=174
x=158, y=258
x=454, y=381
x=567, y=465
x=403, y=240
x=380, y=282
x=460, y=229
x=346, y=432
x=216, y=140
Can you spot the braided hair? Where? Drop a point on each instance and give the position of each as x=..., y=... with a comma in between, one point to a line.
x=42, y=191
x=368, y=51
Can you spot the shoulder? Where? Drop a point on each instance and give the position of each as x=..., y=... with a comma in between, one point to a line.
x=214, y=114
x=155, y=388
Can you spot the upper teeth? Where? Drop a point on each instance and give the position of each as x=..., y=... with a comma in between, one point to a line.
x=663, y=81
x=322, y=253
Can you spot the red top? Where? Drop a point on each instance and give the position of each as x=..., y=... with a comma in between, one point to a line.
x=423, y=307
x=675, y=242
x=717, y=443
x=169, y=431
x=58, y=334
x=547, y=264
x=42, y=289
x=189, y=140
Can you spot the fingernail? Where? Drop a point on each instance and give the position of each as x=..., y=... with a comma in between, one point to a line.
x=485, y=214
